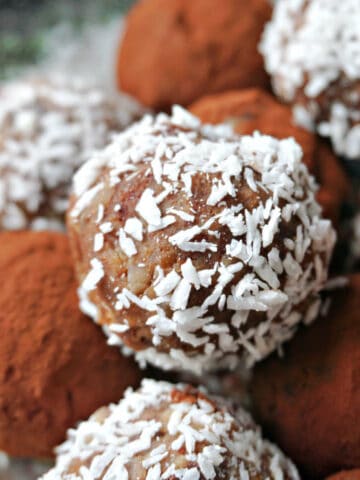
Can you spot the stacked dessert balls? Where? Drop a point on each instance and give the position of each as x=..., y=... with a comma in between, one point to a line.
x=197, y=247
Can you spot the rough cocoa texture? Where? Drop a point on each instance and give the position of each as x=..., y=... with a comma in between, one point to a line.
x=55, y=367
x=346, y=475
x=177, y=51
x=309, y=401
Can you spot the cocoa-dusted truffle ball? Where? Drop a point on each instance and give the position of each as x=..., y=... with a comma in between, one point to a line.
x=169, y=431
x=195, y=246
x=254, y=109
x=312, y=51
x=346, y=475
x=309, y=401
x=175, y=52
x=55, y=368
x=48, y=127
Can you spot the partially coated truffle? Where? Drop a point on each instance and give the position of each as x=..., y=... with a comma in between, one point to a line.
x=171, y=432
x=254, y=109
x=312, y=52
x=55, y=368
x=174, y=52
x=48, y=128
x=309, y=401
x=196, y=247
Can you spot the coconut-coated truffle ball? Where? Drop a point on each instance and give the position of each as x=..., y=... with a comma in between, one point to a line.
x=312, y=52
x=169, y=431
x=254, y=109
x=174, y=52
x=48, y=127
x=309, y=401
x=55, y=368
x=196, y=247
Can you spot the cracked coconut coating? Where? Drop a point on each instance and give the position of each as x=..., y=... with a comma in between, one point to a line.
x=55, y=368
x=174, y=52
x=252, y=110
x=48, y=127
x=164, y=431
x=196, y=247
x=312, y=51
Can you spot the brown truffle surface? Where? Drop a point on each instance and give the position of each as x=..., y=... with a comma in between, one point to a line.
x=55, y=367
x=254, y=109
x=169, y=431
x=177, y=51
x=346, y=475
x=309, y=401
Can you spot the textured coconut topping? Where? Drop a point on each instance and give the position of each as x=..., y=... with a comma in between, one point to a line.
x=49, y=126
x=260, y=272
x=314, y=46
x=312, y=43
x=164, y=431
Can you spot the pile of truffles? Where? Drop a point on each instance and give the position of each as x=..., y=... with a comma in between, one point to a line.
x=197, y=240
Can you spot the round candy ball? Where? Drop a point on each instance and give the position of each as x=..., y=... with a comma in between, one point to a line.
x=312, y=52
x=175, y=52
x=196, y=247
x=48, y=128
x=55, y=368
x=169, y=431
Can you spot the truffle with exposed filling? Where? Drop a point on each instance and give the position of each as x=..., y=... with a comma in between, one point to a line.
x=254, y=109
x=317, y=68
x=55, y=368
x=196, y=247
x=48, y=127
x=171, y=432
x=175, y=52
x=311, y=406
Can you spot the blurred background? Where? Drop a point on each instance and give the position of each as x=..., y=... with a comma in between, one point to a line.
x=29, y=29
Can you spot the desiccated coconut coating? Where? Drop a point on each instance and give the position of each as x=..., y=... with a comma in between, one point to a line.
x=254, y=109
x=48, y=127
x=195, y=246
x=174, y=52
x=164, y=431
x=312, y=51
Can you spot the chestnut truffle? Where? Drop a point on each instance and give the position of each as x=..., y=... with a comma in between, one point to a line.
x=196, y=247
x=309, y=401
x=48, y=127
x=254, y=109
x=312, y=52
x=174, y=52
x=55, y=368
x=169, y=431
